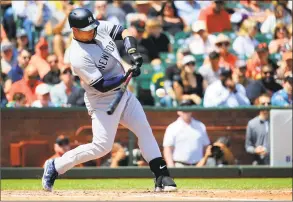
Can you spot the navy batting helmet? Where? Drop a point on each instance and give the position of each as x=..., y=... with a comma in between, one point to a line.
x=82, y=19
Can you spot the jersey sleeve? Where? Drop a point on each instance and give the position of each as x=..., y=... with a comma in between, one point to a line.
x=115, y=31
x=86, y=69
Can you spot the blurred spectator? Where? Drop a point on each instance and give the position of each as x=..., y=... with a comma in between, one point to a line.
x=60, y=92
x=172, y=73
x=280, y=16
x=3, y=100
x=138, y=159
x=27, y=85
x=209, y=71
x=76, y=98
x=7, y=59
x=109, y=12
x=227, y=59
x=3, y=35
x=117, y=156
x=33, y=16
x=60, y=28
x=185, y=140
x=239, y=75
x=8, y=20
x=200, y=42
x=115, y=13
x=283, y=97
x=154, y=32
x=245, y=43
x=281, y=42
x=254, y=10
x=218, y=154
x=155, y=9
x=189, y=10
x=16, y=72
x=145, y=46
x=53, y=76
x=38, y=60
x=189, y=86
x=22, y=40
x=259, y=59
x=216, y=17
x=285, y=65
x=257, y=134
x=225, y=92
x=126, y=6
x=43, y=96
x=266, y=84
x=142, y=7
x=61, y=146
x=171, y=21
x=18, y=100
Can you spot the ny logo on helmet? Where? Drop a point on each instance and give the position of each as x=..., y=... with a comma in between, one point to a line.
x=90, y=19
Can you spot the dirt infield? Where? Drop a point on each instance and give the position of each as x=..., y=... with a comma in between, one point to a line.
x=132, y=195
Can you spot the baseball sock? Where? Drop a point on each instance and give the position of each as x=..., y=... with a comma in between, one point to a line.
x=158, y=167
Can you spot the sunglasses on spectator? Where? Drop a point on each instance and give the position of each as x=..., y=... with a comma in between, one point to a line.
x=44, y=47
x=67, y=71
x=190, y=63
x=26, y=57
x=268, y=72
x=223, y=44
x=265, y=103
x=53, y=61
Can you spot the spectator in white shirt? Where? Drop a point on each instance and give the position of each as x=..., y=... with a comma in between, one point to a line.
x=201, y=42
x=225, y=92
x=209, y=71
x=245, y=43
x=185, y=140
x=280, y=16
x=43, y=95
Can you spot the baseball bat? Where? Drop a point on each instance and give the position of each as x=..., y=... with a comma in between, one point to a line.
x=119, y=95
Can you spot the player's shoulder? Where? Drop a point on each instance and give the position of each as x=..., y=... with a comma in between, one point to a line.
x=77, y=53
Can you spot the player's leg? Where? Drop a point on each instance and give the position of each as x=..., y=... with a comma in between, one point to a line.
x=104, y=129
x=135, y=119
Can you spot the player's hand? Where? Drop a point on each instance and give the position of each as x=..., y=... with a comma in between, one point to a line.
x=135, y=71
x=136, y=59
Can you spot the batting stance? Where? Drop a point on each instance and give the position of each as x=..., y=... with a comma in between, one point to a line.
x=95, y=59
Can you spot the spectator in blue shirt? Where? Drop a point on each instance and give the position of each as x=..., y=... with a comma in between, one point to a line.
x=190, y=10
x=16, y=72
x=283, y=97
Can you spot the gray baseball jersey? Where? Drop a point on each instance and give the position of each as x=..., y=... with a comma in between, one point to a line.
x=96, y=60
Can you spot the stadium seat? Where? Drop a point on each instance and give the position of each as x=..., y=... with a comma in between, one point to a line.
x=168, y=58
x=144, y=80
x=264, y=38
x=23, y=154
x=199, y=59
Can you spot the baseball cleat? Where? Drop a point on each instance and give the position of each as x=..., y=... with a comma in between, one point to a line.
x=49, y=176
x=165, y=184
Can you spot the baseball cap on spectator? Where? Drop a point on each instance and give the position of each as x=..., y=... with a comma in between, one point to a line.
x=198, y=26
x=222, y=38
x=42, y=89
x=139, y=25
x=6, y=45
x=225, y=71
x=287, y=56
x=188, y=59
x=186, y=103
x=62, y=140
x=262, y=47
x=20, y=33
x=214, y=55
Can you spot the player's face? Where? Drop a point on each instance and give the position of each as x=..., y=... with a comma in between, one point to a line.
x=84, y=35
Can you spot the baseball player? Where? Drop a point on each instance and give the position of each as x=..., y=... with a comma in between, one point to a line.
x=95, y=59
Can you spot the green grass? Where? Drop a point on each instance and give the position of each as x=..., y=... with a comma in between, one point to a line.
x=111, y=184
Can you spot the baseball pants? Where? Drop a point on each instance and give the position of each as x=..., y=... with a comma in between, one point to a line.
x=129, y=113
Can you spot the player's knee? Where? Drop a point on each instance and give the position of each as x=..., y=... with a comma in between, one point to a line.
x=101, y=148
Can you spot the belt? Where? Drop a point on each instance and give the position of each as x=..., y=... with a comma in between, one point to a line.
x=186, y=164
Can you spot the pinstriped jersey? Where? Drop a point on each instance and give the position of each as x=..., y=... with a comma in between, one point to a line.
x=98, y=59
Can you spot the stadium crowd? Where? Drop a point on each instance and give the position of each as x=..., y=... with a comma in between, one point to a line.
x=214, y=53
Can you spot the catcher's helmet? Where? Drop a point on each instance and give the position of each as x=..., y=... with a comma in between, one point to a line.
x=82, y=19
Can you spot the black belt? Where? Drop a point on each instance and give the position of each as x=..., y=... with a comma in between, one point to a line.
x=186, y=164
